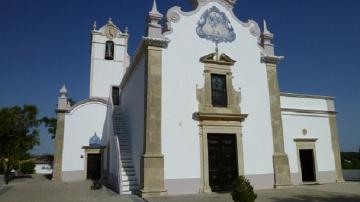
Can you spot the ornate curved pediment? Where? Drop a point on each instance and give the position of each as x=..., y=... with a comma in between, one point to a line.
x=228, y=3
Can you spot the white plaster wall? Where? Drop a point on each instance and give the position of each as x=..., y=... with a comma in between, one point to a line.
x=317, y=127
x=106, y=73
x=305, y=103
x=133, y=105
x=182, y=72
x=80, y=125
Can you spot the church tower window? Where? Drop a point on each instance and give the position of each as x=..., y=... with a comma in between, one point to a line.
x=109, y=50
x=218, y=90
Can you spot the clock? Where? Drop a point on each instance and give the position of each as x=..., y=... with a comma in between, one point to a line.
x=111, y=32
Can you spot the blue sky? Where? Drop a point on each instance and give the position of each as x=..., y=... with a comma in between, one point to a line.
x=44, y=44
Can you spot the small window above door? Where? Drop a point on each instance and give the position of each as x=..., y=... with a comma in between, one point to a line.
x=218, y=90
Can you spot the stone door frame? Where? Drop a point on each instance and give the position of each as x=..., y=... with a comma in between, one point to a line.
x=306, y=143
x=218, y=127
x=93, y=150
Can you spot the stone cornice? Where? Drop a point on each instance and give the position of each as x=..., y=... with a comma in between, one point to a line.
x=305, y=139
x=272, y=59
x=308, y=111
x=306, y=96
x=145, y=42
x=157, y=42
x=201, y=116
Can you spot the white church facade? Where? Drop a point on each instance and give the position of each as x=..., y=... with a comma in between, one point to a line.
x=197, y=105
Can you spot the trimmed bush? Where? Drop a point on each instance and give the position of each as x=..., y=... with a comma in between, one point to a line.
x=242, y=191
x=28, y=167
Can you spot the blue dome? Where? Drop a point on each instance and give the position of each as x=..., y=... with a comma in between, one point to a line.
x=95, y=141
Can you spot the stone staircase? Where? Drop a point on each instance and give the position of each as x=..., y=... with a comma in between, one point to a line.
x=128, y=176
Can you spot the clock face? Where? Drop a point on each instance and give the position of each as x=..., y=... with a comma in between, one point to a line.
x=111, y=32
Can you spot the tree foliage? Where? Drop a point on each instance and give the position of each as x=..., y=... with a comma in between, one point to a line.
x=50, y=123
x=350, y=160
x=19, y=133
x=27, y=167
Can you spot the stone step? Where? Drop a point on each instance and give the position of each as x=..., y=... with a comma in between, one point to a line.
x=130, y=187
x=122, y=135
x=131, y=183
x=128, y=173
x=126, y=161
x=126, y=158
x=125, y=153
x=127, y=166
x=128, y=177
x=128, y=169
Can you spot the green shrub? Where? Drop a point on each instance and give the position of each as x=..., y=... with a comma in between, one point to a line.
x=242, y=191
x=27, y=167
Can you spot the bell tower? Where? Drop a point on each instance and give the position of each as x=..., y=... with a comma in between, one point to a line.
x=109, y=58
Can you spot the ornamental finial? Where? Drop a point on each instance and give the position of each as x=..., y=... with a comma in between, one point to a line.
x=154, y=8
x=154, y=27
x=63, y=91
x=94, y=25
x=266, y=30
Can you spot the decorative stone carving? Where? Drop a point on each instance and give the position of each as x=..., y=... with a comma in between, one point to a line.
x=173, y=16
x=215, y=64
x=228, y=3
x=111, y=31
x=215, y=26
x=215, y=119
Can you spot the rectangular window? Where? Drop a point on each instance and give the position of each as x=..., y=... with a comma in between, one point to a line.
x=218, y=90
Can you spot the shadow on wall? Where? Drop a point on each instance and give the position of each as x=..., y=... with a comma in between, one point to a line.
x=328, y=198
x=105, y=137
x=110, y=168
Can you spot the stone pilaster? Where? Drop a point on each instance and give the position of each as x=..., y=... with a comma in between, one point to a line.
x=152, y=179
x=280, y=158
x=152, y=161
x=336, y=148
x=62, y=108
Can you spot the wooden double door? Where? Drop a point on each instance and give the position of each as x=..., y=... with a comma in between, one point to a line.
x=222, y=156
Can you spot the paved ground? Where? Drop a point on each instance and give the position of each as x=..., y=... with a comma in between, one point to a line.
x=348, y=192
x=39, y=189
